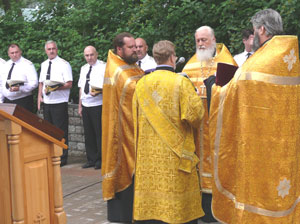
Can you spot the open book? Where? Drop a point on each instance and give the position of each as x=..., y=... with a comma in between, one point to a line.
x=12, y=82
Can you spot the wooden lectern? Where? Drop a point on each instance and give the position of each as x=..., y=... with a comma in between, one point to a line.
x=30, y=178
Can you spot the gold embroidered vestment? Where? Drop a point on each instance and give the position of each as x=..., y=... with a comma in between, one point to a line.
x=165, y=108
x=118, y=156
x=193, y=70
x=254, y=130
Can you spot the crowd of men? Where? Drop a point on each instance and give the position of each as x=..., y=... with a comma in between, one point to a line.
x=174, y=148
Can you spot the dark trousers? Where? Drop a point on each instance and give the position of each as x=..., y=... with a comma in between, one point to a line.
x=92, y=125
x=206, y=205
x=25, y=102
x=57, y=114
x=120, y=208
x=160, y=222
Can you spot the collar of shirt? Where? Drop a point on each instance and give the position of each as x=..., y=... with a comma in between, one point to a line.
x=54, y=59
x=165, y=67
x=96, y=63
x=17, y=62
x=144, y=59
x=246, y=52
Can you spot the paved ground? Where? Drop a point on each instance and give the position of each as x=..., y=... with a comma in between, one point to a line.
x=82, y=192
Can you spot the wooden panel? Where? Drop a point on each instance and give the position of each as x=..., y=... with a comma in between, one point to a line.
x=37, y=191
x=5, y=202
x=34, y=147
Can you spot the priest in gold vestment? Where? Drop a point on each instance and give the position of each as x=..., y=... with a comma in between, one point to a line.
x=166, y=107
x=255, y=132
x=118, y=157
x=200, y=67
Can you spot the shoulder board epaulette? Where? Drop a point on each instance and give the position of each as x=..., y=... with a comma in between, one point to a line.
x=85, y=65
x=63, y=60
x=27, y=61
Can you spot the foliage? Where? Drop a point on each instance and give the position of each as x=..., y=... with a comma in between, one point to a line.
x=75, y=24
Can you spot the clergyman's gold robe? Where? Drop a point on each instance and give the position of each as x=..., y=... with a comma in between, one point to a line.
x=118, y=157
x=193, y=70
x=166, y=108
x=255, y=138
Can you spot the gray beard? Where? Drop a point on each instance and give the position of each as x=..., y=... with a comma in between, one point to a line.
x=256, y=42
x=206, y=54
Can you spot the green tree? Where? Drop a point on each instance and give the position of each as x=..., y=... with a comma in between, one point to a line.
x=74, y=24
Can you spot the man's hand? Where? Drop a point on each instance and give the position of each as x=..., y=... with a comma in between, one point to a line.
x=14, y=88
x=39, y=101
x=94, y=93
x=80, y=110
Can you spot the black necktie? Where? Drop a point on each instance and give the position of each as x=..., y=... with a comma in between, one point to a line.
x=86, y=87
x=49, y=71
x=248, y=55
x=140, y=63
x=9, y=74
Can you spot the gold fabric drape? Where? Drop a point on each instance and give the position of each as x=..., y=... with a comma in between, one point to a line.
x=118, y=156
x=255, y=136
x=165, y=108
x=193, y=70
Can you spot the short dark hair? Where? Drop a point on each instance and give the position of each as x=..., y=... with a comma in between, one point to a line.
x=13, y=45
x=119, y=40
x=246, y=33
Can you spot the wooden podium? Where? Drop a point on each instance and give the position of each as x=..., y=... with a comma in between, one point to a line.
x=30, y=178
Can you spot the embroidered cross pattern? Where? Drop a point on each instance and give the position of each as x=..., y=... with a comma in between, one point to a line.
x=290, y=59
x=283, y=188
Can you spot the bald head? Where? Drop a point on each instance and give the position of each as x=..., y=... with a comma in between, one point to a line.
x=141, y=48
x=90, y=55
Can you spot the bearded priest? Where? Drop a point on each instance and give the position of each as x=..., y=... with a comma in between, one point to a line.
x=199, y=68
x=254, y=129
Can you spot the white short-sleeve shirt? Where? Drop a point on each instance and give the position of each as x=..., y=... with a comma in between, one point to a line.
x=23, y=70
x=241, y=58
x=2, y=62
x=96, y=78
x=147, y=63
x=61, y=71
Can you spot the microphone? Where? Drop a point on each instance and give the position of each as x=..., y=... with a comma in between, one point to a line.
x=180, y=60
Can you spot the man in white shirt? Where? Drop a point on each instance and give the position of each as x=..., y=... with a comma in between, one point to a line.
x=55, y=99
x=90, y=105
x=2, y=62
x=248, y=42
x=145, y=61
x=22, y=73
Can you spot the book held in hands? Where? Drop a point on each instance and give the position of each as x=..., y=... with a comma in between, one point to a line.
x=225, y=73
x=12, y=83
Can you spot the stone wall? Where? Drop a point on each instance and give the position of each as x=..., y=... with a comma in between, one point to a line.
x=76, y=132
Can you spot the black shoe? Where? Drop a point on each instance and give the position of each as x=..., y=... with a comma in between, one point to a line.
x=63, y=163
x=98, y=165
x=88, y=165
